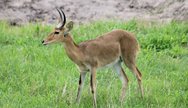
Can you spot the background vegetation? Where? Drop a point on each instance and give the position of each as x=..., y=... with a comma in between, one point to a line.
x=37, y=76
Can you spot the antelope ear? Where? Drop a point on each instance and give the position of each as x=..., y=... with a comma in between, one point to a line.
x=69, y=26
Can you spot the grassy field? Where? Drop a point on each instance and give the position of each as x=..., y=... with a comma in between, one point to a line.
x=37, y=76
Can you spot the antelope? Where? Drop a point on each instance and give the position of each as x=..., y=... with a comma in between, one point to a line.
x=112, y=48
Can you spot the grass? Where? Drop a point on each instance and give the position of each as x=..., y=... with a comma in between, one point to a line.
x=33, y=75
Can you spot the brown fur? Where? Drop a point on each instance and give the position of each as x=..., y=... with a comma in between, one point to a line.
x=93, y=54
x=102, y=50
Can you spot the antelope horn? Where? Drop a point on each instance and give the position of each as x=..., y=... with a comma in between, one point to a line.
x=63, y=19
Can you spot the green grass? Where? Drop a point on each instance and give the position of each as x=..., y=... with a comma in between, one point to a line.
x=33, y=75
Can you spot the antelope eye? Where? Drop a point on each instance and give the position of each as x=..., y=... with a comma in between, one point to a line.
x=56, y=32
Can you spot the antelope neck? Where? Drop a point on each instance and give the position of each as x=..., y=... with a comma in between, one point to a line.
x=73, y=50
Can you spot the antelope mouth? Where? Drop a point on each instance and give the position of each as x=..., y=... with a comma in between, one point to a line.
x=44, y=43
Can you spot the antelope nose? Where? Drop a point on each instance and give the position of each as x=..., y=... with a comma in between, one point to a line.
x=43, y=43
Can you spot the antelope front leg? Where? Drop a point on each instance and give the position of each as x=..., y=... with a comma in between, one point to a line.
x=93, y=86
x=80, y=87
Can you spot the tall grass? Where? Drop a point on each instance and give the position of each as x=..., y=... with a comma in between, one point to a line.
x=33, y=75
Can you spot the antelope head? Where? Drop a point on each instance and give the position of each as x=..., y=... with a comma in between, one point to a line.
x=60, y=32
